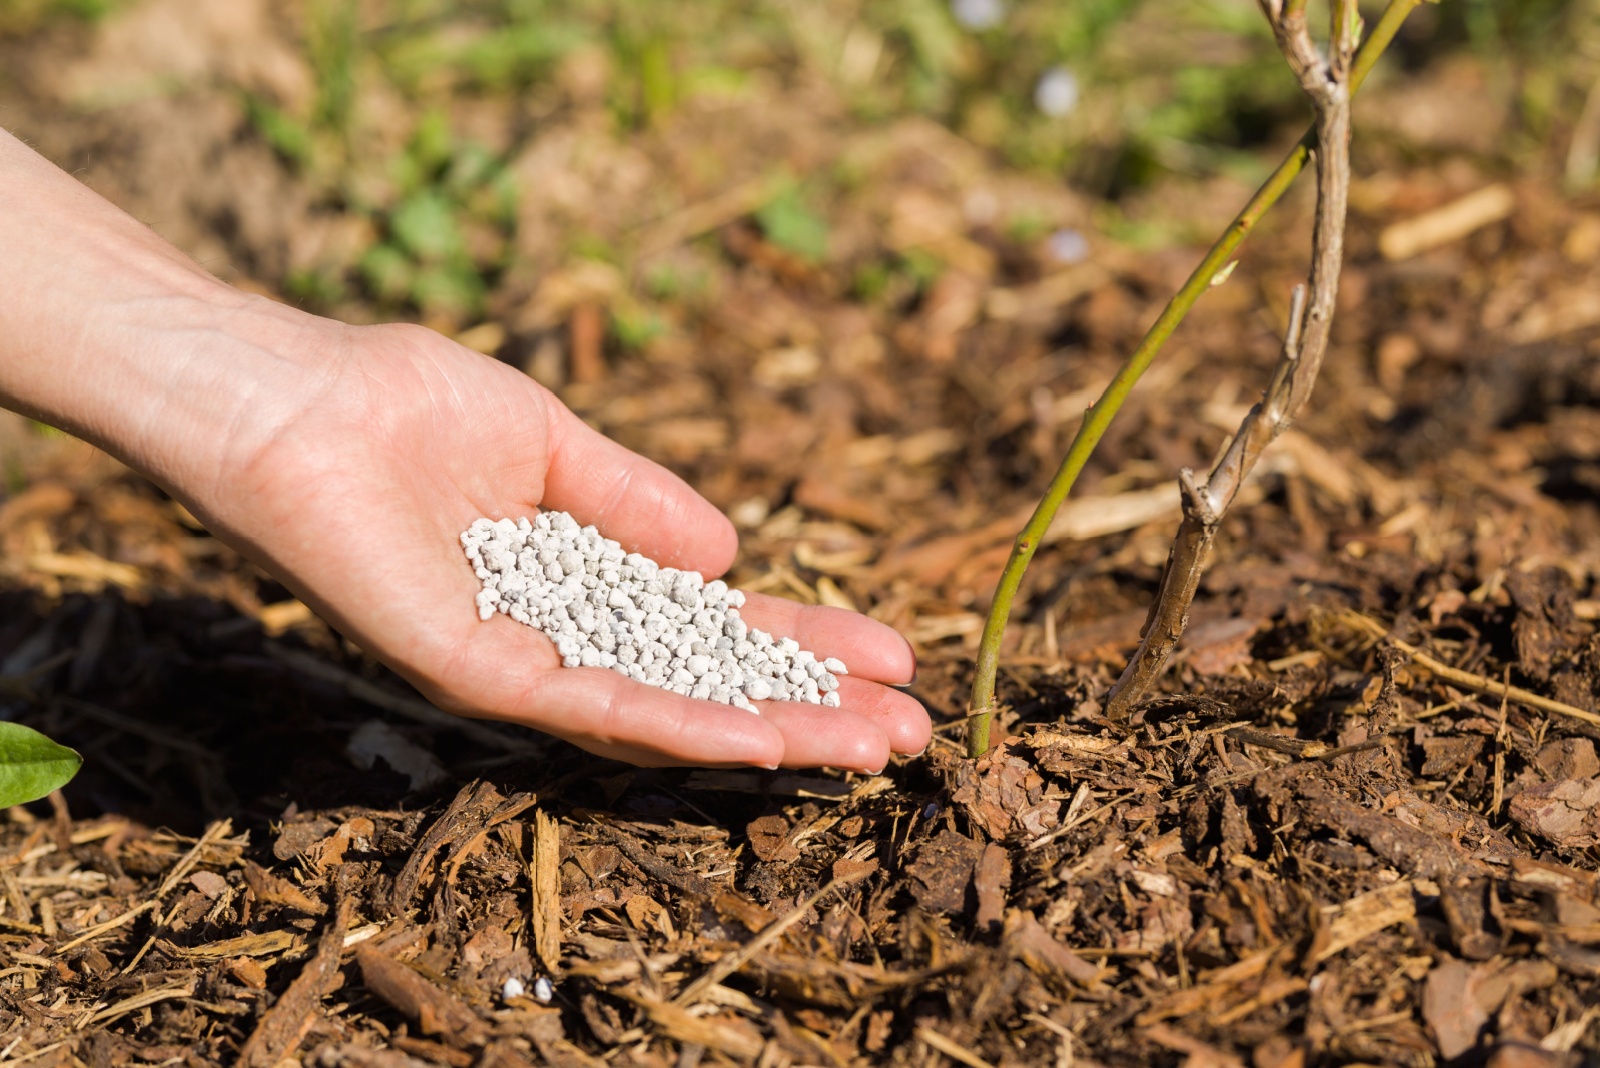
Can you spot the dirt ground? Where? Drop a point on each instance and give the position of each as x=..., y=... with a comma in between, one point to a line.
x=1361, y=828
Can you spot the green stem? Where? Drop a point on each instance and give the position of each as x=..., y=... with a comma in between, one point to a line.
x=1099, y=416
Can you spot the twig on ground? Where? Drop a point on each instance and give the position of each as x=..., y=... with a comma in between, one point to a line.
x=1327, y=83
x=1466, y=679
x=110, y=925
x=285, y=1025
x=1098, y=418
x=182, y=989
x=951, y=1048
x=1304, y=749
x=769, y=934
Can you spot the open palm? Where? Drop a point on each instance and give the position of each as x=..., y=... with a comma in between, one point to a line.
x=356, y=500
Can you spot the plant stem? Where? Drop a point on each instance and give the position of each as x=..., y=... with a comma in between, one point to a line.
x=1098, y=418
x=1326, y=83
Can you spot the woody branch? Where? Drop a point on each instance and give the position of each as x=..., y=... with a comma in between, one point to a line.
x=1326, y=81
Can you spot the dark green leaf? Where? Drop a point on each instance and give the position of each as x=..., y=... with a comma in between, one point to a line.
x=31, y=765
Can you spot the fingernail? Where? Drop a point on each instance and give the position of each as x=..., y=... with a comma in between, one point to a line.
x=869, y=771
x=769, y=767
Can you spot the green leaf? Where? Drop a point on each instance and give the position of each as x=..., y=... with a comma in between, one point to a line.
x=657, y=85
x=637, y=327
x=388, y=272
x=425, y=225
x=432, y=143
x=31, y=765
x=287, y=135
x=794, y=227
x=448, y=289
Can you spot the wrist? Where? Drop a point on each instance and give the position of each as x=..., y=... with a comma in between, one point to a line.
x=186, y=386
x=112, y=334
x=193, y=397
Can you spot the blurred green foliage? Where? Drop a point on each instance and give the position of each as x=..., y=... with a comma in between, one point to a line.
x=332, y=38
x=635, y=327
x=1156, y=87
x=885, y=57
x=24, y=16
x=1530, y=48
x=448, y=193
x=788, y=222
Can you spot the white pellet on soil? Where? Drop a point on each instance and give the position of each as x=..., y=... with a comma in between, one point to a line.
x=661, y=626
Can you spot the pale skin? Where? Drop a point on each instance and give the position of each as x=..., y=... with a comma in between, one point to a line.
x=346, y=460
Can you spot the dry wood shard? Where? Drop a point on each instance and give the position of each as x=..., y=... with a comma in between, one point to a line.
x=285, y=1025
x=1327, y=83
x=544, y=873
x=434, y=1011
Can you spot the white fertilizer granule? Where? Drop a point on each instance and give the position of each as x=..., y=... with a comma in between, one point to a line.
x=664, y=627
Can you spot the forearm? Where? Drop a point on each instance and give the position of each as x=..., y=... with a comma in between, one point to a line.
x=109, y=332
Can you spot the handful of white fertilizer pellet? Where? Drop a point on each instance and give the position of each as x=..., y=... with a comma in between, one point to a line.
x=664, y=627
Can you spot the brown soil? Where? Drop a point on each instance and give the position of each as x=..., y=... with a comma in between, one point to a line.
x=1321, y=849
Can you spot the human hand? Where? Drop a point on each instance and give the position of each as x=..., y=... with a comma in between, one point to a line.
x=356, y=500
x=347, y=460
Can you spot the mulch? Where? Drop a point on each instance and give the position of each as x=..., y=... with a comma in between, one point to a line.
x=1361, y=825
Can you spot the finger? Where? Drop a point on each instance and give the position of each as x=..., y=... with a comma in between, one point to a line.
x=900, y=716
x=633, y=500
x=503, y=670
x=868, y=648
x=816, y=736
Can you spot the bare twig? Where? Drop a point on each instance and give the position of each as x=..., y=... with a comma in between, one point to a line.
x=951, y=1048
x=738, y=958
x=1327, y=82
x=1467, y=679
x=1104, y=410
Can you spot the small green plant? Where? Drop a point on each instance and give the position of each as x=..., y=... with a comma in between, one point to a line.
x=982, y=706
x=635, y=327
x=288, y=136
x=667, y=281
x=870, y=281
x=510, y=56
x=332, y=43
x=448, y=232
x=31, y=765
x=790, y=224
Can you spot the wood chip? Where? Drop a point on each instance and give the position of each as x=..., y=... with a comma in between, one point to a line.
x=725, y=1034
x=544, y=874
x=1026, y=939
x=950, y=1048
x=1452, y=222
x=182, y=989
x=433, y=1010
x=1365, y=915
x=264, y=944
x=286, y=1024
x=270, y=889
